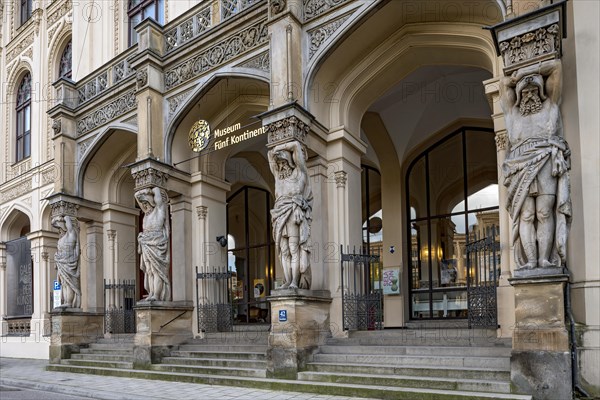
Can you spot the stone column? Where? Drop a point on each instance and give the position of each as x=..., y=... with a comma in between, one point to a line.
x=536, y=168
x=299, y=313
x=95, y=266
x=4, y=326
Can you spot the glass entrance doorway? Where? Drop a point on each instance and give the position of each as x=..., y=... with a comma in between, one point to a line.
x=452, y=196
x=250, y=255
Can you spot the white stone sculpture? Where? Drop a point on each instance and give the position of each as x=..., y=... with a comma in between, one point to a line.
x=67, y=260
x=536, y=169
x=291, y=214
x=153, y=243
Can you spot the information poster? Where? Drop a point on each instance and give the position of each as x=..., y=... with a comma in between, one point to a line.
x=19, y=278
x=391, y=281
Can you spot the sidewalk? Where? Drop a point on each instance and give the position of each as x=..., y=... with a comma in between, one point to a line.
x=32, y=374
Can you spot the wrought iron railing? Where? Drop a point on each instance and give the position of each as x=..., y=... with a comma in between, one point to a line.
x=483, y=267
x=119, y=299
x=213, y=288
x=362, y=296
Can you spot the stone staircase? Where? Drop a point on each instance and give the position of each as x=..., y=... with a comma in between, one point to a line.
x=392, y=364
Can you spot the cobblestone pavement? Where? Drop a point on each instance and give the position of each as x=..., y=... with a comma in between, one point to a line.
x=31, y=374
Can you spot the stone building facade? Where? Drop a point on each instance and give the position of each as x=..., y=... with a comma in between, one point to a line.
x=396, y=106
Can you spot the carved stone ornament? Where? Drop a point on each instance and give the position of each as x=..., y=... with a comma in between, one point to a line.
x=149, y=177
x=314, y=8
x=530, y=46
x=319, y=35
x=501, y=141
x=20, y=46
x=277, y=6
x=202, y=212
x=216, y=55
x=61, y=208
x=16, y=191
x=261, y=62
x=61, y=11
x=107, y=113
x=290, y=128
x=56, y=126
x=142, y=78
x=341, y=177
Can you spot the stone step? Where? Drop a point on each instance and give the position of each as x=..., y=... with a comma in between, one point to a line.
x=216, y=362
x=118, y=338
x=111, y=346
x=219, y=354
x=234, y=337
x=238, y=348
x=333, y=389
x=407, y=370
x=425, y=337
x=417, y=350
x=101, y=357
x=99, y=363
x=251, y=327
x=118, y=351
x=502, y=363
x=208, y=370
x=408, y=381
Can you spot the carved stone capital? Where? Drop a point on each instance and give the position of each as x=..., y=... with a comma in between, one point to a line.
x=341, y=177
x=62, y=208
x=3, y=266
x=501, y=141
x=202, y=212
x=45, y=255
x=112, y=234
x=149, y=177
x=285, y=130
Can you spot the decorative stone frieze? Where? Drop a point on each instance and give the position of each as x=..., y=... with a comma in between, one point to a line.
x=93, y=87
x=177, y=100
x=20, y=47
x=48, y=176
x=320, y=34
x=261, y=62
x=290, y=128
x=314, y=8
x=17, y=190
x=216, y=55
x=531, y=45
x=60, y=12
x=62, y=208
x=122, y=70
x=82, y=148
x=28, y=53
x=202, y=212
x=107, y=113
x=149, y=177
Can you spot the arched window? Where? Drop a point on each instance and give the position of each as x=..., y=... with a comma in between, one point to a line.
x=23, y=141
x=66, y=62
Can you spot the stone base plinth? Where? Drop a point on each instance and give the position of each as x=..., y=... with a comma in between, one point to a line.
x=160, y=326
x=541, y=358
x=71, y=330
x=292, y=341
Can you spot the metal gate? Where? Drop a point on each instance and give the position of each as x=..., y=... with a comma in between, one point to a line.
x=119, y=315
x=483, y=266
x=214, y=291
x=362, y=294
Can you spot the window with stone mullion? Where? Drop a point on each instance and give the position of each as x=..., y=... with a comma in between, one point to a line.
x=23, y=110
x=66, y=62
x=138, y=10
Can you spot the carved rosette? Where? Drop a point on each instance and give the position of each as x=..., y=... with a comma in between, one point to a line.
x=287, y=129
x=62, y=208
x=277, y=6
x=149, y=177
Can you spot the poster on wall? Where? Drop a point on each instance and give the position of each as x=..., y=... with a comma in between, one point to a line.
x=19, y=270
x=259, y=288
x=391, y=281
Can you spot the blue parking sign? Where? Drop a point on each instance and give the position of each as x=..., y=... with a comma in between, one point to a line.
x=56, y=285
x=282, y=315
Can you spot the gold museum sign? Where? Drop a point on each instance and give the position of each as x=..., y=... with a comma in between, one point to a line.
x=199, y=136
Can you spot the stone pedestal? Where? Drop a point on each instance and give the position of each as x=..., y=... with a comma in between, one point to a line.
x=160, y=326
x=71, y=330
x=299, y=324
x=540, y=362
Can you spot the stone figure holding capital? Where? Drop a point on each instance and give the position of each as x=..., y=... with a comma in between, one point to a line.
x=536, y=169
x=67, y=260
x=291, y=214
x=153, y=243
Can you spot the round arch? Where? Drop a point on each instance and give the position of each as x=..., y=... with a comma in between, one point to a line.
x=57, y=46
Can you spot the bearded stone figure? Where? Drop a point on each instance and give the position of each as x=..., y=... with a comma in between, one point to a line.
x=153, y=243
x=66, y=260
x=536, y=169
x=291, y=214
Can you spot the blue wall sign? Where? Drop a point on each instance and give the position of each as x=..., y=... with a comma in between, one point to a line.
x=282, y=315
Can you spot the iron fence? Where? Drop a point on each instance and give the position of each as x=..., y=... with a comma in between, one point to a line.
x=119, y=299
x=214, y=291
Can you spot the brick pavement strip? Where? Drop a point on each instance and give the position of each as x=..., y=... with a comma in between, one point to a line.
x=33, y=375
